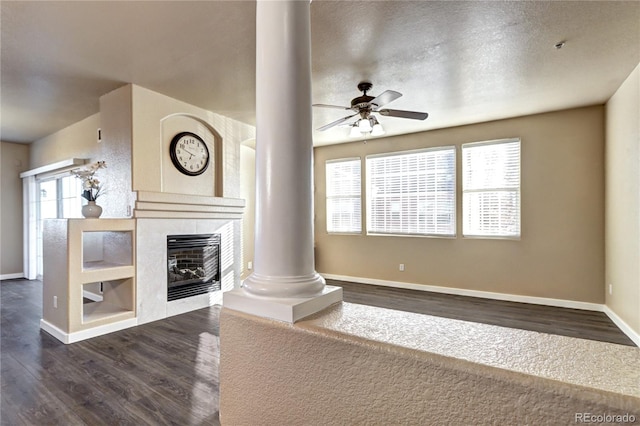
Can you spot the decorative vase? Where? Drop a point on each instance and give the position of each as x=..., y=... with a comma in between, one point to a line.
x=91, y=210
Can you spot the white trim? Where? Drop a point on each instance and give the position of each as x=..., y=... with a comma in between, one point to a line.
x=626, y=328
x=286, y=309
x=561, y=303
x=67, y=338
x=92, y=296
x=12, y=276
x=491, y=142
x=29, y=240
x=55, y=167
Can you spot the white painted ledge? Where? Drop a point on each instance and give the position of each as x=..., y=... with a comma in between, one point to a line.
x=281, y=309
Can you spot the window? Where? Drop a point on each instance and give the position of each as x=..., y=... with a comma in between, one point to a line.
x=58, y=197
x=412, y=193
x=491, y=189
x=344, y=203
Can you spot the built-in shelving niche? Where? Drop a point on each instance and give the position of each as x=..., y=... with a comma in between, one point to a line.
x=116, y=300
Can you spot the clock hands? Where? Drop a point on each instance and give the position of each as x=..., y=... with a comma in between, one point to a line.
x=190, y=153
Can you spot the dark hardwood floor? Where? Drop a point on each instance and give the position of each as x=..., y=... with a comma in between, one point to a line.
x=161, y=373
x=166, y=372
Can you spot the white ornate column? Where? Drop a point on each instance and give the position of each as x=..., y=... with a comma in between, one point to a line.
x=284, y=284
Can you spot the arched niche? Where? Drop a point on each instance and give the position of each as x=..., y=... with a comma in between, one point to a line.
x=208, y=183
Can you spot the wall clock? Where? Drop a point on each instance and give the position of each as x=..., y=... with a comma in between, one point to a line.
x=189, y=153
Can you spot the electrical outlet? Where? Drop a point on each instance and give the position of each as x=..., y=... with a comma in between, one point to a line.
x=55, y=301
x=401, y=267
x=610, y=289
x=249, y=265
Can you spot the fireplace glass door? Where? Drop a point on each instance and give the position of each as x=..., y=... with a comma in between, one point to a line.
x=193, y=265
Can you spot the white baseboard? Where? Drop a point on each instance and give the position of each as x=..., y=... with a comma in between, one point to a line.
x=561, y=303
x=11, y=276
x=626, y=329
x=67, y=338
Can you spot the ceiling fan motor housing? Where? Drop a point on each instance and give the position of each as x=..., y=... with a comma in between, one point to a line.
x=361, y=102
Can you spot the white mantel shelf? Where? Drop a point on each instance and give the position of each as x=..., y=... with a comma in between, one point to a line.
x=166, y=205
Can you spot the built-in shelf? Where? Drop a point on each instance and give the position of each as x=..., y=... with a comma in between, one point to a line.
x=93, y=266
x=116, y=303
x=96, y=311
x=81, y=255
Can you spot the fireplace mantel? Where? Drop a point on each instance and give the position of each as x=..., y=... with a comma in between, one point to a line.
x=179, y=206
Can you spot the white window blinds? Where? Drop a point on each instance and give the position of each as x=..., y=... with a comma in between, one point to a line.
x=412, y=193
x=343, y=189
x=491, y=189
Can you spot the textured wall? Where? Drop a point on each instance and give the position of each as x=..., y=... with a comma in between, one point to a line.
x=561, y=252
x=80, y=140
x=116, y=124
x=15, y=160
x=623, y=201
x=356, y=364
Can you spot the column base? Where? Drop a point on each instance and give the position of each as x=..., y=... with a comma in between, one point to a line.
x=284, y=286
x=281, y=309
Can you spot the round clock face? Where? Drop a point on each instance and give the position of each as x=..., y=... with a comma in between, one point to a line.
x=189, y=153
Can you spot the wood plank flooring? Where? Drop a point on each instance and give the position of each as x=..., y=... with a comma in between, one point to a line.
x=161, y=373
x=166, y=372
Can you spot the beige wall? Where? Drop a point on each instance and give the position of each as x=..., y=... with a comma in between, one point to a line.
x=561, y=252
x=80, y=140
x=623, y=201
x=150, y=161
x=115, y=150
x=15, y=160
x=130, y=119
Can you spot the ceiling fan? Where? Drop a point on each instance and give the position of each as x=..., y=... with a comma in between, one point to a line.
x=364, y=107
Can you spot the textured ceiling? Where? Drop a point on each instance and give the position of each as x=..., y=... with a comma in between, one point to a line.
x=461, y=61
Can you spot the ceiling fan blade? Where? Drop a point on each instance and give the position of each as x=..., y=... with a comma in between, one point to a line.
x=330, y=106
x=403, y=114
x=385, y=97
x=335, y=123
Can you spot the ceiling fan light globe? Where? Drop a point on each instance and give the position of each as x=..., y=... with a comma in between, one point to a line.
x=355, y=132
x=364, y=125
x=377, y=130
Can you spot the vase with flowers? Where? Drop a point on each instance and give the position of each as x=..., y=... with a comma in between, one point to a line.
x=91, y=188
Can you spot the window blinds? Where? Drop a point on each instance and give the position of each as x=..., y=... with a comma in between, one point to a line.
x=343, y=190
x=412, y=193
x=491, y=189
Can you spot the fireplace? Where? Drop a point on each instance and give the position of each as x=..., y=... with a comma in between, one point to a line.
x=193, y=265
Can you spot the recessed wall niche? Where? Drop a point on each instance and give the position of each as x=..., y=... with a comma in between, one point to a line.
x=209, y=183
